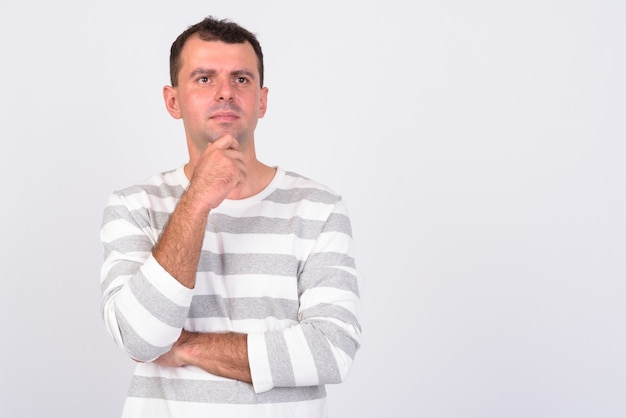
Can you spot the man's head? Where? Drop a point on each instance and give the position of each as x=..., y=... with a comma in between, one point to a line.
x=211, y=29
x=216, y=84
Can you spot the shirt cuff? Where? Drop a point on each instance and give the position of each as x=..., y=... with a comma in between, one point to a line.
x=165, y=283
x=259, y=363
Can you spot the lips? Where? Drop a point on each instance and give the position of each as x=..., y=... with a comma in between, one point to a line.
x=224, y=116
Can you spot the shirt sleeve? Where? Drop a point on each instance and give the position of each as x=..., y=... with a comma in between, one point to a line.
x=144, y=308
x=321, y=348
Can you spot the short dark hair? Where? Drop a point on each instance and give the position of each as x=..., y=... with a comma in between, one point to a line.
x=211, y=29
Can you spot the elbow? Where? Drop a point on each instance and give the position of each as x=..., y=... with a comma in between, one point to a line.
x=344, y=362
x=138, y=348
x=335, y=352
x=139, y=333
x=128, y=338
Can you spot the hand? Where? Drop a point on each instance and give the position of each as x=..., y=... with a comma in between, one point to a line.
x=174, y=358
x=219, y=171
x=168, y=360
x=222, y=354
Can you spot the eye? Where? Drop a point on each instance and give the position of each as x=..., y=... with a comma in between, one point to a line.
x=241, y=80
x=203, y=80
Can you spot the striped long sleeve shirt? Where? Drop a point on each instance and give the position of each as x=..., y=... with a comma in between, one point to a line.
x=278, y=266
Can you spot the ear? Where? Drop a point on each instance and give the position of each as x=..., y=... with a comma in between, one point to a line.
x=170, y=95
x=263, y=102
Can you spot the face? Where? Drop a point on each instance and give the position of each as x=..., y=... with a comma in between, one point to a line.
x=218, y=92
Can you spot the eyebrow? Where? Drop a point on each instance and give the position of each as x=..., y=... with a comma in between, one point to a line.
x=202, y=71
x=209, y=72
x=247, y=73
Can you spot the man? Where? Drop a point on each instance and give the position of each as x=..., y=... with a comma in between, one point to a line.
x=231, y=283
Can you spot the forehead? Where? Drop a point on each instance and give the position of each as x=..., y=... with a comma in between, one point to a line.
x=217, y=54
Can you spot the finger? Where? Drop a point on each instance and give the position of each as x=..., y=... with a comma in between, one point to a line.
x=226, y=141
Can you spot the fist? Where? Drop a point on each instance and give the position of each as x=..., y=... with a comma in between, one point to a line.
x=219, y=171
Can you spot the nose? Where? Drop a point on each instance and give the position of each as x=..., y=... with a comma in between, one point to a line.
x=224, y=91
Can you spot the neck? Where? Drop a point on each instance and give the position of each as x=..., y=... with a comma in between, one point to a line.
x=258, y=177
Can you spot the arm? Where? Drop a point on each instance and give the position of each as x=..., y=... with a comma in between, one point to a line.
x=321, y=348
x=218, y=172
x=147, y=275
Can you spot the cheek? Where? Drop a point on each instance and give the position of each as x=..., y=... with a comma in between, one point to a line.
x=257, y=106
x=193, y=105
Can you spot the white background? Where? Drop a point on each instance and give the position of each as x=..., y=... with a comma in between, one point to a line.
x=479, y=145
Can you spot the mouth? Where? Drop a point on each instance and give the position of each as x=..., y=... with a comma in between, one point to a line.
x=224, y=116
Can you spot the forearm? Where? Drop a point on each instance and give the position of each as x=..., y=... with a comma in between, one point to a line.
x=221, y=354
x=178, y=248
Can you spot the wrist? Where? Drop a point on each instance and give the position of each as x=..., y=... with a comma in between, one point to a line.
x=184, y=348
x=194, y=204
